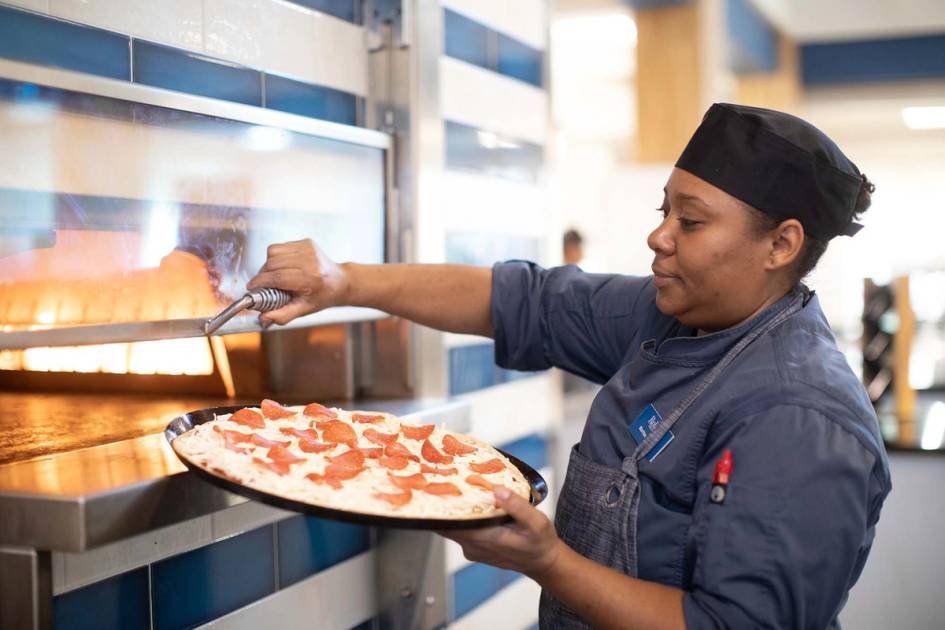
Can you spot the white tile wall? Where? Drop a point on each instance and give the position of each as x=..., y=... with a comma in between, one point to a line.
x=42, y=6
x=509, y=411
x=473, y=96
x=173, y=22
x=514, y=607
x=273, y=35
x=287, y=39
x=526, y=20
x=480, y=203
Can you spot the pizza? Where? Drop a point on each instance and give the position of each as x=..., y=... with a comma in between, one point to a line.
x=358, y=461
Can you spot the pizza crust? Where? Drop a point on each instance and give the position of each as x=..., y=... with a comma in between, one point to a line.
x=206, y=447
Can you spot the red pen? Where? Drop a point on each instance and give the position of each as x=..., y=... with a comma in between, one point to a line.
x=723, y=470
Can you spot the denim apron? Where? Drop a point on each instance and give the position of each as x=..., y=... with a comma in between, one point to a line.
x=597, y=511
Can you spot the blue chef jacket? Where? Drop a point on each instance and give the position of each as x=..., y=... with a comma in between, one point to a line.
x=809, y=469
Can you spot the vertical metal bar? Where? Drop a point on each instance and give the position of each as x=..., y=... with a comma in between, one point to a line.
x=131, y=59
x=150, y=599
x=25, y=589
x=275, y=557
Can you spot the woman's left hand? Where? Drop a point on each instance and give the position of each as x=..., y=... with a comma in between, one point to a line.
x=529, y=545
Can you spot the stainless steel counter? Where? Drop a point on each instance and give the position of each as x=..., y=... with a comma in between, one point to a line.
x=74, y=500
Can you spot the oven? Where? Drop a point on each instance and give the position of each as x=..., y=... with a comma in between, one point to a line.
x=128, y=216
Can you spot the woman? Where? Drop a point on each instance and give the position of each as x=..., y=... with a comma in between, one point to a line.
x=731, y=470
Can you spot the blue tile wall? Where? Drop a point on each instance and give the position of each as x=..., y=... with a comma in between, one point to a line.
x=119, y=603
x=314, y=101
x=477, y=44
x=468, y=148
x=475, y=583
x=531, y=449
x=903, y=59
x=33, y=38
x=348, y=10
x=42, y=40
x=183, y=71
x=308, y=545
x=519, y=61
x=472, y=367
x=754, y=43
x=203, y=584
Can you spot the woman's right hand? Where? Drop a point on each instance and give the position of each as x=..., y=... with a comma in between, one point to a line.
x=304, y=270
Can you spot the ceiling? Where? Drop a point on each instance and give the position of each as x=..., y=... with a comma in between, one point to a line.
x=835, y=20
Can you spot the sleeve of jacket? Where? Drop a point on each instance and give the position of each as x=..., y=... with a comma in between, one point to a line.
x=562, y=317
x=795, y=527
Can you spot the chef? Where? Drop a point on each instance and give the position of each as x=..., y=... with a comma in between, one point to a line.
x=731, y=471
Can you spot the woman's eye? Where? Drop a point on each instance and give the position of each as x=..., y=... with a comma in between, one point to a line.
x=688, y=224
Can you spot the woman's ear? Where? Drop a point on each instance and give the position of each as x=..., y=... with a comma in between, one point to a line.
x=786, y=242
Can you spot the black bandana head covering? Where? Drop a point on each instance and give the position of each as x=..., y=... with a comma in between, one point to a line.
x=777, y=163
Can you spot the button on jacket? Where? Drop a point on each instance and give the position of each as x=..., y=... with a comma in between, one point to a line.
x=810, y=472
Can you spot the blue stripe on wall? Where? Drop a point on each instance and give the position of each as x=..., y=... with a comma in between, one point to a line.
x=473, y=367
x=182, y=71
x=33, y=38
x=475, y=583
x=308, y=545
x=531, y=449
x=754, y=42
x=314, y=101
x=519, y=61
x=475, y=43
x=118, y=603
x=203, y=584
x=468, y=148
x=348, y=10
x=909, y=58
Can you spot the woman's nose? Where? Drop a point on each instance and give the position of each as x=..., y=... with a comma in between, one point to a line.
x=661, y=240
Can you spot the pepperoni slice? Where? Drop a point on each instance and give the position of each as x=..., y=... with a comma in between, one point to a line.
x=394, y=462
x=396, y=449
x=248, y=418
x=442, y=489
x=348, y=459
x=434, y=456
x=284, y=455
x=415, y=481
x=452, y=446
x=476, y=480
x=315, y=410
x=338, y=432
x=302, y=434
x=259, y=440
x=397, y=499
x=417, y=433
x=491, y=466
x=366, y=418
x=372, y=452
x=334, y=471
x=280, y=468
x=312, y=446
x=379, y=438
x=273, y=410
x=433, y=470
x=331, y=481
x=232, y=439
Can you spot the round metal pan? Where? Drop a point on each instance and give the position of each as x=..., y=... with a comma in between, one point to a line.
x=184, y=423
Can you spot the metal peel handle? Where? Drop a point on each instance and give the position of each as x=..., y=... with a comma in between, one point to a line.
x=262, y=300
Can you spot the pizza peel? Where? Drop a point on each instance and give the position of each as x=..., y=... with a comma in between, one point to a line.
x=181, y=424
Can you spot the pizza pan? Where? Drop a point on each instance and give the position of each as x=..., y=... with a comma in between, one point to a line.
x=181, y=424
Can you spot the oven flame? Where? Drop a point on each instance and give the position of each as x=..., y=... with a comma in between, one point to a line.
x=170, y=356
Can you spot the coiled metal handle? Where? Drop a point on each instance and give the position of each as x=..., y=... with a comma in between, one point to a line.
x=261, y=300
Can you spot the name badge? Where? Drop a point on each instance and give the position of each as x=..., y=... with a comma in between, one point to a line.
x=647, y=422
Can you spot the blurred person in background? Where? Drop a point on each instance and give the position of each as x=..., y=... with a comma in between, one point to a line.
x=573, y=247
x=731, y=471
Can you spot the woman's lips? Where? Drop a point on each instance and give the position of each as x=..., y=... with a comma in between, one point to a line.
x=661, y=280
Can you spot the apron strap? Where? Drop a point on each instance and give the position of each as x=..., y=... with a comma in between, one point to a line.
x=630, y=463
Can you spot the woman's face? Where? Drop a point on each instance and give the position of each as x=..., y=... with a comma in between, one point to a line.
x=709, y=266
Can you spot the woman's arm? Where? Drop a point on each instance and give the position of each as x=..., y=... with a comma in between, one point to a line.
x=603, y=597
x=454, y=298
